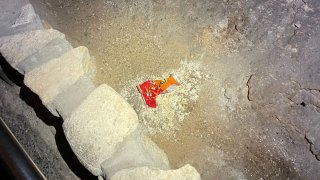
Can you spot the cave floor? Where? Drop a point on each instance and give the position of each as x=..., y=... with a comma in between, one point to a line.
x=233, y=57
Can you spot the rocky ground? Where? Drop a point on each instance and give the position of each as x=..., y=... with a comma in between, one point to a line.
x=248, y=107
x=39, y=132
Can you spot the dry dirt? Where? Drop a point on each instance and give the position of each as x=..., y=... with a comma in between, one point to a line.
x=209, y=121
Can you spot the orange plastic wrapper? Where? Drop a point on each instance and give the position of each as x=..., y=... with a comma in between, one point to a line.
x=150, y=89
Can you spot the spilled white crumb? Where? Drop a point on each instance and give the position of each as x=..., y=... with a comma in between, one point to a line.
x=172, y=108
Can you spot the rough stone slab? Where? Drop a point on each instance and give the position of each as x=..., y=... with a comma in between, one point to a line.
x=8, y=11
x=8, y=14
x=137, y=150
x=53, y=49
x=27, y=15
x=26, y=44
x=186, y=172
x=28, y=20
x=95, y=129
x=68, y=100
x=35, y=24
x=51, y=78
x=17, y=16
x=313, y=137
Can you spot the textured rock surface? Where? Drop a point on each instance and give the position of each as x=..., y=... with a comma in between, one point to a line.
x=17, y=16
x=26, y=44
x=313, y=137
x=69, y=99
x=53, y=49
x=33, y=133
x=102, y=121
x=51, y=78
x=136, y=150
x=28, y=20
x=257, y=109
x=186, y=172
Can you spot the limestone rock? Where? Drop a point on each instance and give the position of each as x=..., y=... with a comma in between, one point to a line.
x=27, y=15
x=313, y=137
x=8, y=13
x=17, y=16
x=95, y=129
x=145, y=173
x=137, y=150
x=314, y=150
x=51, y=78
x=68, y=100
x=26, y=44
x=53, y=49
x=28, y=20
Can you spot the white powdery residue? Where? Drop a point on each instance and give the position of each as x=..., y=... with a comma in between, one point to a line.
x=171, y=108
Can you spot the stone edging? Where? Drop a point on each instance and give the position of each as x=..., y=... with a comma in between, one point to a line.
x=101, y=127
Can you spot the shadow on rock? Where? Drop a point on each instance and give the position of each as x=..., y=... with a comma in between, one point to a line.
x=11, y=77
x=64, y=148
x=8, y=74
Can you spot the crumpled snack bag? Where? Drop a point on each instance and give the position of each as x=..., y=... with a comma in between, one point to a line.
x=151, y=88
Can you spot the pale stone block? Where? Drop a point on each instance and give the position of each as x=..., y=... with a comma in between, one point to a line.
x=186, y=172
x=137, y=150
x=18, y=47
x=68, y=100
x=96, y=128
x=17, y=16
x=51, y=78
x=27, y=15
x=53, y=49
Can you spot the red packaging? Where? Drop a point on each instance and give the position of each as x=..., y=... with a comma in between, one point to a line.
x=150, y=89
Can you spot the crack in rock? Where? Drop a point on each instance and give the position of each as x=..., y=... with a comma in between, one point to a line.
x=249, y=88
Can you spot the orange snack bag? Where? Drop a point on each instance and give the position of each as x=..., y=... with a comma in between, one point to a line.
x=169, y=84
x=150, y=89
